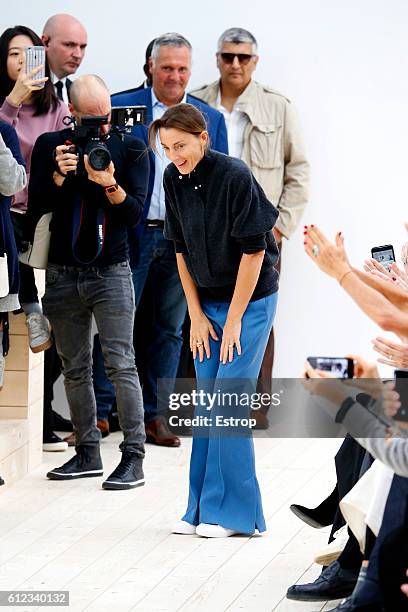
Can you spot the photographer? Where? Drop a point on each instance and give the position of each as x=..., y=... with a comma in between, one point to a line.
x=88, y=272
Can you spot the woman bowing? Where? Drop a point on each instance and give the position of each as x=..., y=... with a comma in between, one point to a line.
x=221, y=223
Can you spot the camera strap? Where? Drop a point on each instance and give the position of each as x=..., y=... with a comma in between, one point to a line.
x=76, y=230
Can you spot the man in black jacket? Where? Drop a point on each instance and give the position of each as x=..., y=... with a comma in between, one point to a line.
x=88, y=275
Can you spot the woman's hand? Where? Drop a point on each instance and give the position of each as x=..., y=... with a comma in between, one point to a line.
x=230, y=337
x=324, y=384
x=400, y=275
x=376, y=269
x=391, y=399
x=366, y=377
x=392, y=275
x=25, y=85
x=394, y=354
x=200, y=331
x=331, y=258
x=363, y=368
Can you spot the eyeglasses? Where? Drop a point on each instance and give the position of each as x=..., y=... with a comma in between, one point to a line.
x=243, y=58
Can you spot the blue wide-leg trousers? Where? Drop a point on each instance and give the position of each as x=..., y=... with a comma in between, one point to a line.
x=223, y=486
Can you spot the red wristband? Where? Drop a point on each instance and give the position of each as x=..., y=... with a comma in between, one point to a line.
x=111, y=188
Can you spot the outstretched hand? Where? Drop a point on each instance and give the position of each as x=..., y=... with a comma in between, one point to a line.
x=330, y=258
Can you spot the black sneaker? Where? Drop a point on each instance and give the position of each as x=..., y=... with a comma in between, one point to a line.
x=84, y=464
x=128, y=474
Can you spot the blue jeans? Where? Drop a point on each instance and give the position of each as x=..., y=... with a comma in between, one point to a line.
x=158, y=261
x=223, y=488
x=72, y=296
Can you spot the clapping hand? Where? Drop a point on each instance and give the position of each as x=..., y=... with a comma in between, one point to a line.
x=331, y=258
x=392, y=275
x=394, y=354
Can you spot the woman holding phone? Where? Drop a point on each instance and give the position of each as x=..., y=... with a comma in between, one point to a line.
x=32, y=108
x=221, y=223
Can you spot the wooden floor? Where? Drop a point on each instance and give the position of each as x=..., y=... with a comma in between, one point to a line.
x=113, y=550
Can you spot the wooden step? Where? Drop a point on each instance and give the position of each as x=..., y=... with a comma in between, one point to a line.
x=14, y=450
x=21, y=404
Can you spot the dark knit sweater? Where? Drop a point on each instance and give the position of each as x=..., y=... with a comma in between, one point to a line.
x=216, y=214
x=131, y=173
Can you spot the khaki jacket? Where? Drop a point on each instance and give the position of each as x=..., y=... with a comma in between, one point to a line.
x=273, y=149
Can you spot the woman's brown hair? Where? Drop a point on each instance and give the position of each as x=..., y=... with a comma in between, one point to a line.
x=184, y=117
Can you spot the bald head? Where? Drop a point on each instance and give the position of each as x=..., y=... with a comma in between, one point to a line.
x=65, y=40
x=90, y=96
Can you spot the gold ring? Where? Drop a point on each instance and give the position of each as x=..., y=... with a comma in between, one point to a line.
x=230, y=346
x=199, y=344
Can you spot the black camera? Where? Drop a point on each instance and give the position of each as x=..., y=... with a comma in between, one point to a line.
x=87, y=139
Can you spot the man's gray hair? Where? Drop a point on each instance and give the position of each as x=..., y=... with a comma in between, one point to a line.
x=237, y=35
x=169, y=39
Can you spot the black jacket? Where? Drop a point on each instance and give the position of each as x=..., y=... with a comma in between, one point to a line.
x=216, y=214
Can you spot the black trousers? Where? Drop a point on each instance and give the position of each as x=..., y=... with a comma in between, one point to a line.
x=52, y=371
x=265, y=374
x=389, y=557
x=392, y=567
x=349, y=462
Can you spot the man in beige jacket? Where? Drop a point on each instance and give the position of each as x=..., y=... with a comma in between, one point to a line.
x=263, y=131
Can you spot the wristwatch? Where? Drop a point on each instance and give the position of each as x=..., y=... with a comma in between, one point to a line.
x=111, y=188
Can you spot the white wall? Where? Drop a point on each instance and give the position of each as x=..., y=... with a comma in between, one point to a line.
x=344, y=64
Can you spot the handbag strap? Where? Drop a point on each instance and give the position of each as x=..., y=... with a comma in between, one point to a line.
x=6, y=338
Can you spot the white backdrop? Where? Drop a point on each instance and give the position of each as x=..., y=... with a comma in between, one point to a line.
x=344, y=64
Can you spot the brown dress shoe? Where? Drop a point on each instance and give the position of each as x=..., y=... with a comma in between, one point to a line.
x=158, y=433
x=70, y=439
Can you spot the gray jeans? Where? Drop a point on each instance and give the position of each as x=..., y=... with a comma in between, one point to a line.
x=72, y=296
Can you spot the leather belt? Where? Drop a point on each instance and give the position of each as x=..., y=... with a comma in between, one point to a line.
x=154, y=223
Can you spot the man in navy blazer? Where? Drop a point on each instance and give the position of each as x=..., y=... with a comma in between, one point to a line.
x=152, y=256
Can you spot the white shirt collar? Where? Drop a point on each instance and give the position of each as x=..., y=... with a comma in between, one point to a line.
x=155, y=101
x=55, y=79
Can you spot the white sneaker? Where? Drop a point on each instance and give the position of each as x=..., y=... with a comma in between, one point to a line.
x=333, y=550
x=54, y=444
x=214, y=531
x=39, y=332
x=2, y=368
x=184, y=528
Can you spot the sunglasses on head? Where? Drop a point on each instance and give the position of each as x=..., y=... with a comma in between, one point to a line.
x=243, y=58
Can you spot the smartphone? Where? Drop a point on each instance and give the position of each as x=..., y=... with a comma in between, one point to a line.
x=384, y=255
x=35, y=56
x=340, y=367
x=401, y=387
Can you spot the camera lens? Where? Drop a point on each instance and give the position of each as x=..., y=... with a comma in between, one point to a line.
x=99, y=157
